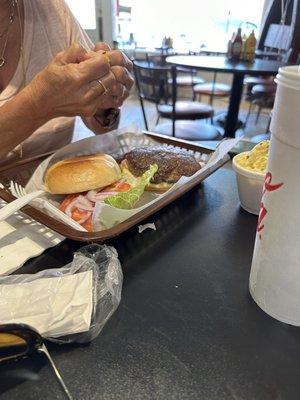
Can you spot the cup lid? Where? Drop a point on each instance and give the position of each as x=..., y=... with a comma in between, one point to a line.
x=289, y=76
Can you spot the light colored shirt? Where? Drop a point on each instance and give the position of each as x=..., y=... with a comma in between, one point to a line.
x=49, y=27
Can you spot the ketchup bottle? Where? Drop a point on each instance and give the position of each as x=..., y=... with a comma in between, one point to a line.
x=237, y=45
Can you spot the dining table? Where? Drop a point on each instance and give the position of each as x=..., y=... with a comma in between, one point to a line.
x=186, y=327
x=259, y=67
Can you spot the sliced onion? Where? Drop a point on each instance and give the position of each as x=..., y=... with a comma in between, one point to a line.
x=103, y=195
x=91, y=195
x=84, y=203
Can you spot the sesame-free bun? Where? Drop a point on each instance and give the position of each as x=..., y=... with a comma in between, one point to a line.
x=81, y=174
x=159, y=187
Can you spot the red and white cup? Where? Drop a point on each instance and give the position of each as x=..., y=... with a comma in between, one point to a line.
x=275, y=271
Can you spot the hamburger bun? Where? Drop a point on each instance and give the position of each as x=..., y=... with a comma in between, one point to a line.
x=81, y=174
x=159, y=187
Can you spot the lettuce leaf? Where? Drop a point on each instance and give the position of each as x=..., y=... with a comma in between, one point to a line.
x=127, y=200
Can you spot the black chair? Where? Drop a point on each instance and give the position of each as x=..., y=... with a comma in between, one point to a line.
x=186, y=77
x=153, y=86
x=211, y=89
x=263, y=96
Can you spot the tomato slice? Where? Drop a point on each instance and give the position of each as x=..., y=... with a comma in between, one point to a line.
x=119, y=186
x=67, y=200
x=76, y=213
x=88, y=224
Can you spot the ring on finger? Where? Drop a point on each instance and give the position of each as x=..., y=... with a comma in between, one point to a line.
x=103, y=86
x=104, y=54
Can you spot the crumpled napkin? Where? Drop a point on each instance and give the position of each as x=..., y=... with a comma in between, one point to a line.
x=22, y=238
x=54, y=305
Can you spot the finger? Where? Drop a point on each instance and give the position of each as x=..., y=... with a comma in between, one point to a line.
x=94, y=68
x=117, y=90
x=118, y=58
x=120, y=100
x=102, y=46
x=100, y=87
x=123, y=76
x=74, y=54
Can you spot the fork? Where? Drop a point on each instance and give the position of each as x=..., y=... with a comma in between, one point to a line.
x=15, y=205
x=19, y=192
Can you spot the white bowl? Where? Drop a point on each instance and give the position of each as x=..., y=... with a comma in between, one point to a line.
x=250, y=186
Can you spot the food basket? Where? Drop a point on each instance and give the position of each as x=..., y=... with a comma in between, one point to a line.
x=115, y=145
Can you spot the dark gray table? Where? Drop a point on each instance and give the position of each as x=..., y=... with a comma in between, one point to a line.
x=238, y=69
x=186, y=327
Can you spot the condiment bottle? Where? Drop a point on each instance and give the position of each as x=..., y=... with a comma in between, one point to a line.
x=250, y=47
x=229, y=46
x=243, y=53
x=237, y=44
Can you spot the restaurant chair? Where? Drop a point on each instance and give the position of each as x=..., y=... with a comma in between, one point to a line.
x=153, y=86
x=186, y=77
x=211, y=89
x=252, y=81
x=263, y=96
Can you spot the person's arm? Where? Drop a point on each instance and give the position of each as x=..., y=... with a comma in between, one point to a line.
x=18, y=120
x=68, y=86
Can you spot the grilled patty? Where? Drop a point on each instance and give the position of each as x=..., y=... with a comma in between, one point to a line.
x=172, y=163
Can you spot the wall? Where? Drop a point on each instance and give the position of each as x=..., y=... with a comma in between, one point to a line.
x=105, y=11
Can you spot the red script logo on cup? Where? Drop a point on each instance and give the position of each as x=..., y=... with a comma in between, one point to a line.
x=268, y=187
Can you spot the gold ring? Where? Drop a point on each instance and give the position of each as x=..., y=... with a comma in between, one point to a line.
x=106, y=57
x=103, y=86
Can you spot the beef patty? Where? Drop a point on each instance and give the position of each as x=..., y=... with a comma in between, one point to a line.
x=172, y=163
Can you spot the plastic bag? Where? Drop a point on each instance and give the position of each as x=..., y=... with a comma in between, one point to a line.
x=68, y=304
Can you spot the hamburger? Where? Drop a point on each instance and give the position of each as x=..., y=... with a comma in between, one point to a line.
x=81, y=174
x=172, y=165
x=86, y=179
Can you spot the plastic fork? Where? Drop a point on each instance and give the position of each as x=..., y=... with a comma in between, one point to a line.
x=15, y=205
x=20, y=192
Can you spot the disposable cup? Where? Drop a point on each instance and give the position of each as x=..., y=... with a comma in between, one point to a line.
x=275, y=272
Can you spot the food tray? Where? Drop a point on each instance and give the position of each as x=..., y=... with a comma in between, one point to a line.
x=22, y=170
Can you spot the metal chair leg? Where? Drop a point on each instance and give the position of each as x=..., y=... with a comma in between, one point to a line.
x=269, y=123
x=248, y=115
x=211, y=97
x=258, y=113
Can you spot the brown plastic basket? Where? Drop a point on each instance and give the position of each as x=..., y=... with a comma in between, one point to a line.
x=22, y=170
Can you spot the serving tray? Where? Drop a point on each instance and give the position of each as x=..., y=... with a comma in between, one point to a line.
x=22, y=170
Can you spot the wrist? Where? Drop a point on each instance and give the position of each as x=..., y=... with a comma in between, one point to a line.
x=30, y=107
x=38, y=100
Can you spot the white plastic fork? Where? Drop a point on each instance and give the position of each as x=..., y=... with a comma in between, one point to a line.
x=15, y=205
x=19, y=192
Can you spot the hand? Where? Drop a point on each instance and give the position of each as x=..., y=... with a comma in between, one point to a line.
x=121, y=67
x=69, y=85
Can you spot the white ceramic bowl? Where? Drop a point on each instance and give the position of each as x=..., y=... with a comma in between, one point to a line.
x=250, y=186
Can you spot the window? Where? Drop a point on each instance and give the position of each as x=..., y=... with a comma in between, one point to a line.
x=190, y=23
x=84, y=11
